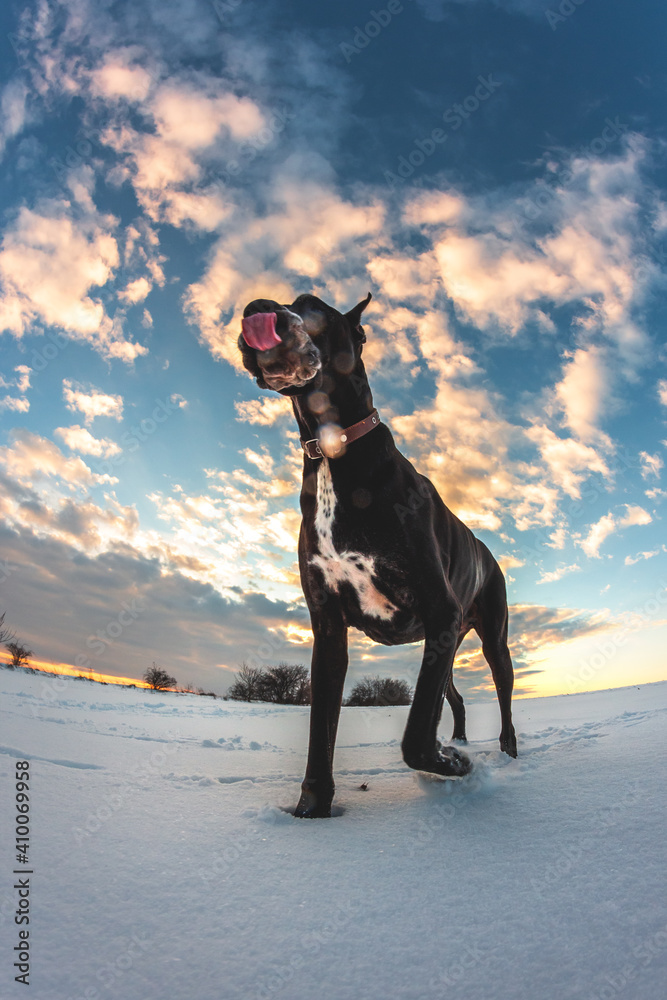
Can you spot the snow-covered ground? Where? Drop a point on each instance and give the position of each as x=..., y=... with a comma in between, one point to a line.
x=166, y=867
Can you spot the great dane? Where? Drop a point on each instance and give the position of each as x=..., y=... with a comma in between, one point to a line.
x=378, y=548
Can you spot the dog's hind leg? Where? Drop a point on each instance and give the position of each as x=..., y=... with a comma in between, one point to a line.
x=491, y=627
x=456, y=701
x=498, y=657
x=458, y=711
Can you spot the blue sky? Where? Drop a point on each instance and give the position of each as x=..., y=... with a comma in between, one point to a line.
x=493, y=172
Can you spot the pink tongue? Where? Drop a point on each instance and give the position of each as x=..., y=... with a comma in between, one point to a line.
x=259, y=331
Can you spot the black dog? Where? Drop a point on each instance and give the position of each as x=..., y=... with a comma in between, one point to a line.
x=369, y=555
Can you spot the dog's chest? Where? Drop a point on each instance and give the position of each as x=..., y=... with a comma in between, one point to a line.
x=347, y=566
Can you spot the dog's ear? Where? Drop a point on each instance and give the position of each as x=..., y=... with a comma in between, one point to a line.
x=354, y=317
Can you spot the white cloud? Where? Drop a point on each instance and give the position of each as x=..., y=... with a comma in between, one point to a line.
x=51, y=260
x=262, y=460
x=584, y=391
x=557, y=538
x=503, y=272
x=240, y=529
x=510, y=562
x=461, y=443
x=434, y=208
x=194, y=119
x=569, y=462
x=140, y=252
x=120, y=77
x=630, y=560
x=607, y=524
x=136, y=291
x=189, y=116
x=405, y=277
x=493, y=281
x=13, y=110
x=14, y=403
x=558, y=573
x=634, y=515
x=48, y=264
x=30, y=457
x=535, y=504
x=651, y=464
x=20, y=384
x=265, y=411
x=77, y=438
x=91, y=402
x=597, y=534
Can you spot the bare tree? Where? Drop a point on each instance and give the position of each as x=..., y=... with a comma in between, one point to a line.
x=6, y=635
x=19, y=653
x=247, y=685
x=380, y=691
x=286, y=684
x=159, y=679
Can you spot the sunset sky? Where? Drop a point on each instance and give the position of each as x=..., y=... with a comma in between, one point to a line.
x=494, y=172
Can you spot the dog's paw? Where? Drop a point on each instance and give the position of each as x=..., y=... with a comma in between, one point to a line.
x=445, y=760
x=508, y=744
x=312, y=806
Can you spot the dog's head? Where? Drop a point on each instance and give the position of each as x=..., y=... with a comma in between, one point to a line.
x=292, y=348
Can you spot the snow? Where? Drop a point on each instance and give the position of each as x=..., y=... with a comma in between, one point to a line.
x=166, y=866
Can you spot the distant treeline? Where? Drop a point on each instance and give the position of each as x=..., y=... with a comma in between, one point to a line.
x=285, y=684
x=288, y=684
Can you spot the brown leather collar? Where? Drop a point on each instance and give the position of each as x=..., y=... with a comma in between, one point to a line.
x=348, y=434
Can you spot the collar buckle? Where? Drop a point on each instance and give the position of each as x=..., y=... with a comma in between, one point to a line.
x=312, y=448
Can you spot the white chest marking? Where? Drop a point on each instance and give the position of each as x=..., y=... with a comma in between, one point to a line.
x=349, y=567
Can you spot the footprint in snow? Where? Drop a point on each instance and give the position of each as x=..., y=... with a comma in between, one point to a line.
x=237, y=743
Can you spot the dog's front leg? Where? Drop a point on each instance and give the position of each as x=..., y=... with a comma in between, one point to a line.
x=421, y=750
x=327, y=677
